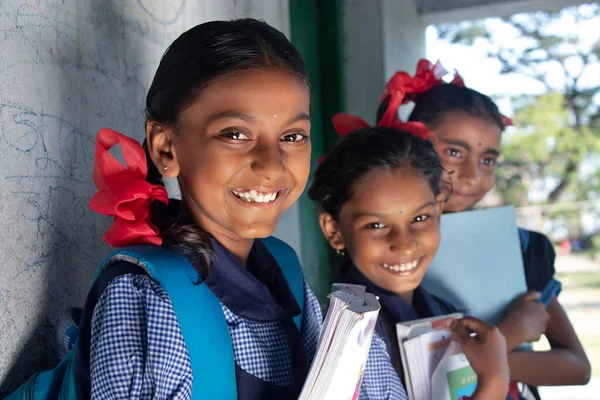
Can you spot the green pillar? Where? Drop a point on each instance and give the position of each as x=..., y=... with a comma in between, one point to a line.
x=315, y=32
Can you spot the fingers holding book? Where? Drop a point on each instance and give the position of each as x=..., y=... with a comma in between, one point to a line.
x=485, y=348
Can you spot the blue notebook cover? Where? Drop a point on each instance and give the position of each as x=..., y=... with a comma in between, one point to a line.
x=479, y=265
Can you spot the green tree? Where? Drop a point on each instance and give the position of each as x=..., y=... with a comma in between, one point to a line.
x=560, y=129
x=537, y=152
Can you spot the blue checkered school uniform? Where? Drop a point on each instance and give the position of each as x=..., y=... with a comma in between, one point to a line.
x=384, y=376
x=131, y=346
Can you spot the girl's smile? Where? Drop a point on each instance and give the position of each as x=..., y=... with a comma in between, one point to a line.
x=390, y=249
x=239, y=167
x=403, y=268
x=259, y=196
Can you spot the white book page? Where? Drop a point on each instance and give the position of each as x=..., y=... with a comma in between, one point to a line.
x=347, y=377
x=424, y=354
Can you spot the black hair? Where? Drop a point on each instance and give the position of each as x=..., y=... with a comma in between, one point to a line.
x=197, y=58
x=366, y=149
x=433, y=104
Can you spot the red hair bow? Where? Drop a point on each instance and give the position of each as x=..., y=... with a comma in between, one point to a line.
x=428, y=75
x=123, y=191
x=346, y=123
x=402, y=89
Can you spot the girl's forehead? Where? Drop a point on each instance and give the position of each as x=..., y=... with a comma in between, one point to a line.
x=470, y=129
x=389, y=188
x=251, y=95
x=274, y=82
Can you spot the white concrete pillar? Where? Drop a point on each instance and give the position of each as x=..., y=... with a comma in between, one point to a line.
x=380, y=37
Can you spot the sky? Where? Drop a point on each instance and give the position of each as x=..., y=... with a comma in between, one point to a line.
x=483, y=74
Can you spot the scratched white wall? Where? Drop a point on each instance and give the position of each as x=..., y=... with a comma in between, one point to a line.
x=68, y=68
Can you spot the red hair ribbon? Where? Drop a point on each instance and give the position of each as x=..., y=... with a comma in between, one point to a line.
x=346, y=123
x=427, y=76
x=399, y=87
x=123, y=191
x=402, y=88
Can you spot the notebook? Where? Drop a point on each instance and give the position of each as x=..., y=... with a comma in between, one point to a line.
x=343, y=346
x=453, y=378
x=433, y=364
x=478, y=265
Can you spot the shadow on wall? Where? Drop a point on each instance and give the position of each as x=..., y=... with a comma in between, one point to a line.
x=87, y=57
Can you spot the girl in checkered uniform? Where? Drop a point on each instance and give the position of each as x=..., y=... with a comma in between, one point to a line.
x=381, y=193
x=228, y=118
x=469, y=128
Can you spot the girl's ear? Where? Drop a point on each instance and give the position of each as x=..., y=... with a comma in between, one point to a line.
x=331, y=230
x=162, y=150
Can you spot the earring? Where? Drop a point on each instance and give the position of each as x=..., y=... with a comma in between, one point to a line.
x=341, y=252
x=166, y=168
x=415, y=243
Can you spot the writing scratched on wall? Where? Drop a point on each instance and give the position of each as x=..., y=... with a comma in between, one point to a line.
x=73, y=68
x=69, y=68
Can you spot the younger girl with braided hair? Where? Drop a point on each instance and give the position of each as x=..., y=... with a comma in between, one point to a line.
x=468, y=127
x=381, y=194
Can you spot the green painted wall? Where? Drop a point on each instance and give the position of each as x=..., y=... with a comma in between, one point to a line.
x=315, y=31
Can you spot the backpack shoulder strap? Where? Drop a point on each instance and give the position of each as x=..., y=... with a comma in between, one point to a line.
x=289, y=263
x=199, y=315
x=56, y=383
x=524, y=239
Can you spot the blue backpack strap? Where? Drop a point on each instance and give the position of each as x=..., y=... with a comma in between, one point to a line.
x=195, y=306
x=289, y=263
x=524, y=239
x=199, y=315
x=56, y=383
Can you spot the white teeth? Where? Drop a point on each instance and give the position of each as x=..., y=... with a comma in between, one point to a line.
x=253, y=196
x=404, y=267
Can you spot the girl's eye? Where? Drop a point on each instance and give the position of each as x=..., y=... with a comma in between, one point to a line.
x=421, y=218
x=490, y=162
x=235, y=135
x=294, y=137
x=453, y=153
x=375, y=225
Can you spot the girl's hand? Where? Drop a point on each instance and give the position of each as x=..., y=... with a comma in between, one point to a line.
x=525, y=321
x=486, y=352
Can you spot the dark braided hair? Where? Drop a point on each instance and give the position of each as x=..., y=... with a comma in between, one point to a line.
x=197, y=58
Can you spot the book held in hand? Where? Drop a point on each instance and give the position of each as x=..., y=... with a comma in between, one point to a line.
x=478, y=266
x=434, y=366
x=343, y=347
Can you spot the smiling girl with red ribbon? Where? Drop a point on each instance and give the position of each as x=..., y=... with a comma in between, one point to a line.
x=199, y=300
x=381, y=191
x=468, y=127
